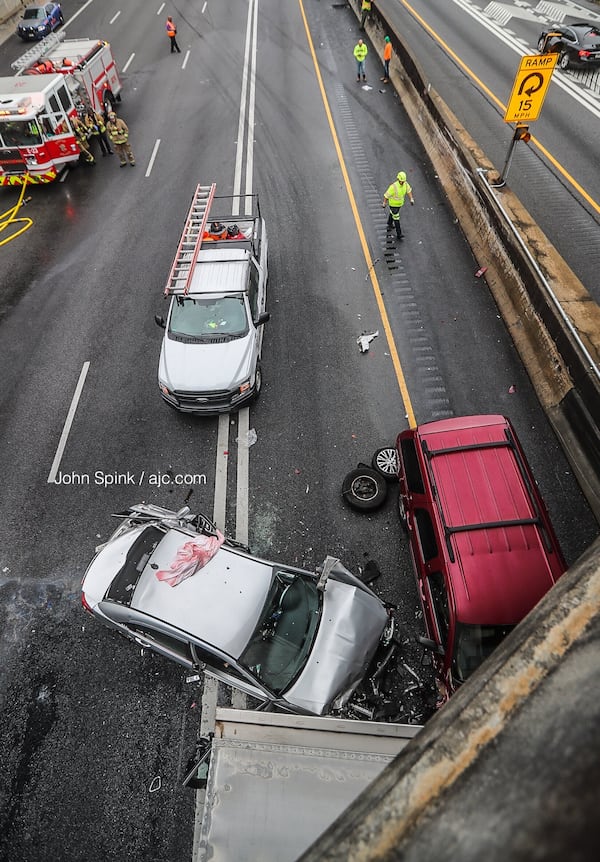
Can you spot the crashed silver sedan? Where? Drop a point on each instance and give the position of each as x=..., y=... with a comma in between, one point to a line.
x=299, y=640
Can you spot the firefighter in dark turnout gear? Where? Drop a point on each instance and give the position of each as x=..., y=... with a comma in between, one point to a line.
x=119, y=136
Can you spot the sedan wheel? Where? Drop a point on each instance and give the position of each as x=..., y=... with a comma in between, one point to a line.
x=563, y=61
x=385, y=461
x=364, y=489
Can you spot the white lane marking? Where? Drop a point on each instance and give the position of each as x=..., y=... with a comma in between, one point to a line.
x=250, y=124
x=185, y=59
x=64, y=175
x=127, y=64
x=237, y=177
x=79, y=11
x=68, y=422
x=160, y=8
x=221, y=472
x=243, y=460
x=114, y=17
x=152, y=157
x=204, y=6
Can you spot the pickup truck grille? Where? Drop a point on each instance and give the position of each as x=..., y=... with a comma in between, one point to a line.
x=199, y=401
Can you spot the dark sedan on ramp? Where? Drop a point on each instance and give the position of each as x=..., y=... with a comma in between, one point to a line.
x=578, y=45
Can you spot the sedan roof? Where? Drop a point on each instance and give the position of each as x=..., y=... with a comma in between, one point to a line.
x=219, y=605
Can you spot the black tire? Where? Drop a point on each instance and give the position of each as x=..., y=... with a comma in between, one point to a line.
x=364, y=489
x=541, y=43
x=385, y=461
x=564, y=61
x=257, y=381
x=402, y=513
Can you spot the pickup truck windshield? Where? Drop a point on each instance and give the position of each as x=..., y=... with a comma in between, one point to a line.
x=208, y=318
x=283, y=638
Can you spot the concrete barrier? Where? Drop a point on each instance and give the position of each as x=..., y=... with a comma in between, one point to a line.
x=554, y=322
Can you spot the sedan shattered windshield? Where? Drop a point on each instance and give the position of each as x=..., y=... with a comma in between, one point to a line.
x=285, y=632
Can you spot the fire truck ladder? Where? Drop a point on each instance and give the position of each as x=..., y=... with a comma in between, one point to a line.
x=182, y=270
x=37, y=52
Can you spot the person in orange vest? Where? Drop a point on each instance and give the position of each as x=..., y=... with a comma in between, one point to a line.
x=387, y=56
x=172, y=34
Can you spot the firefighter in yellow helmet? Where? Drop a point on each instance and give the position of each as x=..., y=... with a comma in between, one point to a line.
x=394, y=197
x=118, y=133
x=81, y=136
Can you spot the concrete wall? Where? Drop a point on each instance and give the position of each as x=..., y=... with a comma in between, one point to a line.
x=8, y=8
x=561, y=372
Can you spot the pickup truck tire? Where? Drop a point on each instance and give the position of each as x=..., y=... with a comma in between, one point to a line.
x=364, y=488
x=257, y=381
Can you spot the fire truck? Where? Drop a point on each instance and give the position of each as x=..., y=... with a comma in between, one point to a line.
x=55, y=80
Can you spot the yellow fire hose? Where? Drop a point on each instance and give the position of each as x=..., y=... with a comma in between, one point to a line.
x=10, y=218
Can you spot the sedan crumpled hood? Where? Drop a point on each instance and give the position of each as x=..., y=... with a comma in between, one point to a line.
x=209, y=367
x=347, y=639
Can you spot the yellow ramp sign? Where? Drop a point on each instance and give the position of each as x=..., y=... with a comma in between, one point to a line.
x=529, y=90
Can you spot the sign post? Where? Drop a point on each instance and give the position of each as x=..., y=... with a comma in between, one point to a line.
x=528, y=93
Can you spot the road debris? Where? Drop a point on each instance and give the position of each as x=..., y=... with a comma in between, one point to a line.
x=365, y=339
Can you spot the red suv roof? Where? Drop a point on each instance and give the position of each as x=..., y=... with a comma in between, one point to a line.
x=497, y=531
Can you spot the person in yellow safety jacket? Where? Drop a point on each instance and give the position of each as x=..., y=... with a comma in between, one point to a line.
x=360, y=54
x=365, y=11
x=119, y=136
x=94, y=124
x=394, y=196
x=81, y=136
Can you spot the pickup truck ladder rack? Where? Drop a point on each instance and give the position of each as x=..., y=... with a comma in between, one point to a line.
x=37, y=51
x=191, y=240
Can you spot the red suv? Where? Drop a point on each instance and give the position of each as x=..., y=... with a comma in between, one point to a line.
x=482, y=544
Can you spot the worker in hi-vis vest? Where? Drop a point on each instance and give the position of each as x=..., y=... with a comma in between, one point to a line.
x=365, y=11
x=394, y=197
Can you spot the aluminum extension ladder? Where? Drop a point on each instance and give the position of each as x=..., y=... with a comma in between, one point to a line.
x=37, y=51
x=182, y=270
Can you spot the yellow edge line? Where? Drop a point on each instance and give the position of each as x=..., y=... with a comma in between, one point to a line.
x=500, y=104
x=408, y=409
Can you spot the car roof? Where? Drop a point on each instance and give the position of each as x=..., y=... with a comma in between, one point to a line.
x=499, y=572
x=220, y=604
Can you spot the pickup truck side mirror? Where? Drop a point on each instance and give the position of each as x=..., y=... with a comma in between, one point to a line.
x=431, y=645
x=160, y=321
x=262, y=318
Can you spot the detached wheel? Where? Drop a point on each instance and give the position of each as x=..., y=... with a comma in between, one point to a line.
x=385, y=461
x=364, y=489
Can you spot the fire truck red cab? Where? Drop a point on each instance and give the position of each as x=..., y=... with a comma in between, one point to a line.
x=36, y=133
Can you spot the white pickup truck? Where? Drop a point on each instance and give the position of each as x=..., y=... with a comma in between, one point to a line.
x=211, y=350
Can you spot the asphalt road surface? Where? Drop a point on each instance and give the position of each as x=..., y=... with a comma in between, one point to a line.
x=94, y=737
